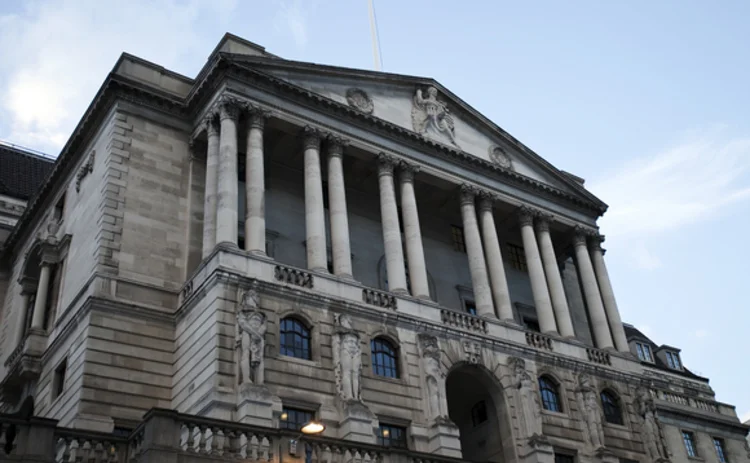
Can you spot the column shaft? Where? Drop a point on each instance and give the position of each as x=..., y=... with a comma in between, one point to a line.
x=608, y=296
x=414, y=248
x=226, y=202
x=212, y=174
x=602, y=336
x=40, y=303
x=498, y=280
x=477, y=265
x=18, y=328
x=394, y=251
x=255, y=189
x=340, y=245
x=315, y=225
x=554, y=280
x=539, y=289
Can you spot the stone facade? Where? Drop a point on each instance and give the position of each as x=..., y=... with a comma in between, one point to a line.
x=274, y=239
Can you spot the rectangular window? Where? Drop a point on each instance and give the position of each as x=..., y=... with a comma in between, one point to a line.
x=479, y=413
x=644, y=352
x=392, y=436
x=720, y=452
x=457, y=234
x=470, y=307
x=531, y=324
x=673, y=360
x=517, y=257
x=59, y=208
x=563, y=458
x=689, y=439
x=294, y=418
x=58, y=380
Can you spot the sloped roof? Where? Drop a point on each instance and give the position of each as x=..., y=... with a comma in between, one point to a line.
x=634, y=334
x=22, y=172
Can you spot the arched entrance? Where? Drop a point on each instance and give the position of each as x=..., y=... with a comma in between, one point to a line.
x=476, y=405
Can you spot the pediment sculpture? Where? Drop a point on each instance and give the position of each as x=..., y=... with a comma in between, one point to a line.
x=428, y=114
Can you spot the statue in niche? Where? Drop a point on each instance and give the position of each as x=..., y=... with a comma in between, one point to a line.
x=347, y=357
x=653, y=436
x=250, y=338
x=589, y=406
x=429, y=112
x=526, y=399
x=434, y=378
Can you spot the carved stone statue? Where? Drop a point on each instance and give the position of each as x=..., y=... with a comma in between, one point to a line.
x=347, y=356
x=430, y=113
x=250, y=339
x=592, y=415
x=653, y=436
x=526, y=399
x=434, y=377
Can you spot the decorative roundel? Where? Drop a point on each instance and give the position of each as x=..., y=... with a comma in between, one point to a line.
x=359, y=99
x=500, y=157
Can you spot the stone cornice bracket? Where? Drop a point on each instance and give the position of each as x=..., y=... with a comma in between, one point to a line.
x=486, y=200
x=408, y=170
x=526, y=215
x=311, y=137
x=386, y=163
x=336, y=144
x=229, y=108
x=468, y=193
x=543, y=220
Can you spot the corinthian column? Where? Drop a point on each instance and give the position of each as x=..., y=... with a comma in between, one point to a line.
x=394, y=251
x=554, y=281
x=597, y=316
x=40, y=303
x=226, y=203
x=212, y=173
x=342, y=253
x=477, y=265
x=608, y=295
x=498, y=281
x=315, y=225
x=255, y=189
x=414, y=250
x=536, y=273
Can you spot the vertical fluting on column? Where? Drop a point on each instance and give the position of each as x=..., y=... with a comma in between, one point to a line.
x=226, y=202
x=608, y=295
x=413, y=234
x=475, y=254
x=40, y=303
x=539, y=289
x=554, y=280
x=394, y=251
x=602, y=336
x=498, y=280
x=340, y=246
x=315, y=225
x=255, y=189
x=212, y=173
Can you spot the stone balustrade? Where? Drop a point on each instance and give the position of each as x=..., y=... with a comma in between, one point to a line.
x=463, y=321
x=73, y=445
x=379, y=298
x=598, y=356
x=539, y=340
x=293, y=276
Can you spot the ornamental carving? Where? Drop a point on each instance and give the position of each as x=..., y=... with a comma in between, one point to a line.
x=428, y=114
x=360, y=100
x=653, y=435
x=347, y=359
x=588, y=403
x=526, y=401
x=434, y=377
x=86, y=169
x=250, y=339
x=500, y=157
x=473, y=352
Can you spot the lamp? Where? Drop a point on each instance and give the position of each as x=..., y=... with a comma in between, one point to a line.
x=313, y=427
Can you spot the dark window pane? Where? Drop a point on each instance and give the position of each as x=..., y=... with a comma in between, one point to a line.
x=294, y=339
x=470, y=307
x=720, y=452
x=457, y=235
x=550, y=396
x=517, y=257
x=294, y=418
x=384, y=358
x=689, y=440
x=479, y=413
x=611, y=407
x=392, y=436
x=562, y=458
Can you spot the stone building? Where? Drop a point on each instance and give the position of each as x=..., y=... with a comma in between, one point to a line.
x=214, y=261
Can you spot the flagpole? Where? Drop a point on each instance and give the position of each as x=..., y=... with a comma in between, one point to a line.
x=374, y=36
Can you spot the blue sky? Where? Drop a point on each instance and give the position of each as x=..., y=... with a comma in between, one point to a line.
x=646, y=100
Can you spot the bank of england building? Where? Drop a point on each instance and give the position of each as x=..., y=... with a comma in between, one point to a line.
x=213, y=262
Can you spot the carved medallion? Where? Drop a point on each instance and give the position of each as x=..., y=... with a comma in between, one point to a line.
x=500, y=157
x=360, y=100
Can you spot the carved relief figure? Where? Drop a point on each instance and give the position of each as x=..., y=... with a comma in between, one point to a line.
x=250, y=339
x=347, y=356
x=653, y=436
x=434, y=377
x=526, y=398
x=429, y=112
x=589, y=406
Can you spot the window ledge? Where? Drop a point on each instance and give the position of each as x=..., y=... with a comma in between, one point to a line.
x=289, y=358
x=555, y=414
x=400, y=381
x=620, y=427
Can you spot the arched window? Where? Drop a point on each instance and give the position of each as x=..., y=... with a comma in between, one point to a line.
x=384, y=358
x=611, y=407
x=550, y=395
x=295, y=339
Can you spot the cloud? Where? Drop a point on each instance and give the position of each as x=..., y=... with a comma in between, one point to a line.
x=57, y=53
x=291, y=17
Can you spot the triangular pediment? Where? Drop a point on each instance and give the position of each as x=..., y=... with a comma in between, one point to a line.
x=425, y=107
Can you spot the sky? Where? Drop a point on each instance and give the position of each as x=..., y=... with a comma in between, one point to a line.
x=648, y=101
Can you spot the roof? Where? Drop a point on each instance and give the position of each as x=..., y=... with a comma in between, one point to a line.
x=634, y=334
x=22, y=172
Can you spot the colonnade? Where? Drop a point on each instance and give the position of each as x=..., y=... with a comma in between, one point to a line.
x=396, y=177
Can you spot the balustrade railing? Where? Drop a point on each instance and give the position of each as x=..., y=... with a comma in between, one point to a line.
x=539, y=340
x=598, y=356
x=379, y=298
x=293, y=276
x=463, y=320
x=74, y=446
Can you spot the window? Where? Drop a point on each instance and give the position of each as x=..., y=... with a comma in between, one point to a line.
x=384, y=358
x=550, y=396
x=58, y=380
x=457, y=234
x=720, y=452
x=294, y=418
x=479, y=413
x=295, y=339
x=392, y=436
x=517, y=257
x=59, y=210
x=470, y=307
x=689, y=439
x=563, y=458
x=644, y=352
x=673, y=360
x=531, y=324
x=611, y=407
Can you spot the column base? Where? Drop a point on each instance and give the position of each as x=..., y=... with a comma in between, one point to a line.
x=400, y=292
x=357, y=422
x=256, y=405
x=489, y=316
x=320, y=270
x=443, y=438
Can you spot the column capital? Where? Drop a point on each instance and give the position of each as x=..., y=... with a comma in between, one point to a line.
x=581, y=235
x=526, y=215
x=486, y=200
x=256, y=116
x=542, y=222
x=408, y=171
x=211, y=122
x=468, y=193
x=386, y=163
x=595, y=242
x=311, y=137
x=229, y=108
x=336, y=144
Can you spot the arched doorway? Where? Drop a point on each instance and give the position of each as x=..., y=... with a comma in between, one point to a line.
x=476, y=405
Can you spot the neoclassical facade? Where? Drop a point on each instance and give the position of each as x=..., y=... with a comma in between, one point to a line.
x=275, y=242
